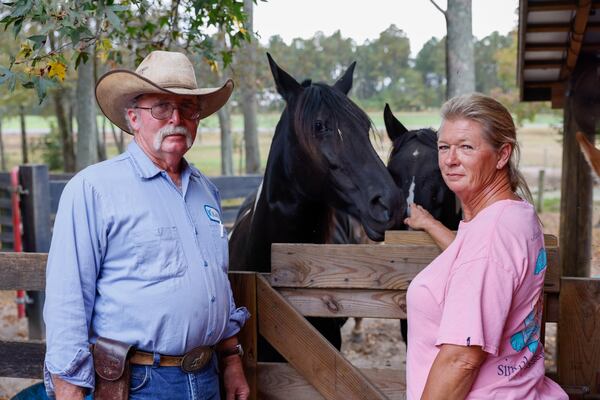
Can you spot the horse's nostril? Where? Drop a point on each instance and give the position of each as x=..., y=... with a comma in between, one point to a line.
x=386, y=214
x=379, y=210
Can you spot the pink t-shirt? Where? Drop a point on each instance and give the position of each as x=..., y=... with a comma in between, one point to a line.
x=485, y=290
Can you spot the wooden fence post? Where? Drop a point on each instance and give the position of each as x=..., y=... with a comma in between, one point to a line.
x=540, y=193
x=35, y=211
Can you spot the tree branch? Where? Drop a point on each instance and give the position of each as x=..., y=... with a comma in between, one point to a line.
x=438, y=7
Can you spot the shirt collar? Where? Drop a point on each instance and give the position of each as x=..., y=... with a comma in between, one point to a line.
x=146, y=169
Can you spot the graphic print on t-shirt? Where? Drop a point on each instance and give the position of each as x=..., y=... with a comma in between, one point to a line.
x=529, y=336
x=541, y=261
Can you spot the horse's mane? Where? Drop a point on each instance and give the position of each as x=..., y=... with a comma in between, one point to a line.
x=426, y=136
x=321, y=101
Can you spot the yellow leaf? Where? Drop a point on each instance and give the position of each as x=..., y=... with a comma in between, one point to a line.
x=214, y=67
x=105, y=45
x=57, y=69
x=25, y=51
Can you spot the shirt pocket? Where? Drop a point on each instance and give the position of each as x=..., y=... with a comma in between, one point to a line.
x=159, y=254
x=218, y=235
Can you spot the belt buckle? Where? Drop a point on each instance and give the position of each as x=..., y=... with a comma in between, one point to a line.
x=196, y=359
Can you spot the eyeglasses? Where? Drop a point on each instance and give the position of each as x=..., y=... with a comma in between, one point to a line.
x=165, y=110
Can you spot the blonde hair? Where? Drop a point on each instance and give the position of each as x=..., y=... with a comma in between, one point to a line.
x=498, y=129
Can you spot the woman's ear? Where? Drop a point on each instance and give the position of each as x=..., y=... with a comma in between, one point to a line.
x=504, y=155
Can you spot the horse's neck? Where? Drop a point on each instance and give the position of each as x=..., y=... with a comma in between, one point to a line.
x=283, y=215
x=292, y=216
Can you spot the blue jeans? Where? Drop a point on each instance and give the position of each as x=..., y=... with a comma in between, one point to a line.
x=165, y=383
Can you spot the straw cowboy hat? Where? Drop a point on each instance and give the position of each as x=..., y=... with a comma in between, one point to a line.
x=163, y=72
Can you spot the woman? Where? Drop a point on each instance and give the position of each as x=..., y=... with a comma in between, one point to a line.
x=475, y=312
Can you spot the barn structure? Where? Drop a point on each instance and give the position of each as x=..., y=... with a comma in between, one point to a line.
x=559, y=47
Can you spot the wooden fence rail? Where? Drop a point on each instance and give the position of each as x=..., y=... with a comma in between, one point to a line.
x=338, y=280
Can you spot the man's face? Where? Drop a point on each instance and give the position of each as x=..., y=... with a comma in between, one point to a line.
x=159, y=134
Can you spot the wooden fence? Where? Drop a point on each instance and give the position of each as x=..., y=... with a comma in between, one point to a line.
x=342, y=281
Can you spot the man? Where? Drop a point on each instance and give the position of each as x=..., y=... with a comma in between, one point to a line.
x=139, y=253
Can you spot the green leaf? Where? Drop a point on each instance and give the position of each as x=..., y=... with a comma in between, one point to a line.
x=82, y=56
x=163, y=20
x=41, y=87
x=21, y=8
x=18, y=23
x=12, y=83
x=5, y=74
x=6, y=21
x=38, y=40
x=118, y=8
x=113, y=19
x=75, y=36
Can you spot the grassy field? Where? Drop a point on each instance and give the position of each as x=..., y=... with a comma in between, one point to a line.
x=540, y=140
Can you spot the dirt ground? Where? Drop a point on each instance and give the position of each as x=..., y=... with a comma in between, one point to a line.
x=381, y=345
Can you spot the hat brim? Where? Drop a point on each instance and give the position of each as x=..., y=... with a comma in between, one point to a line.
x=116, y=89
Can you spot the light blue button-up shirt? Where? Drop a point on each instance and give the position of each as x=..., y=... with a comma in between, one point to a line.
x=136, y=259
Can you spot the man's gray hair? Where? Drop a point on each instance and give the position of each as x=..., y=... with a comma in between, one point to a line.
x=132, y=104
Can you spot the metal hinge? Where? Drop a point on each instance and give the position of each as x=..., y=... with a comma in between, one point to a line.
x=24, y=300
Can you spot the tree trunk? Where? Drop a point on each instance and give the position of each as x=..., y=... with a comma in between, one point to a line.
x=226, y=140
x=87, y=138
x=224, y=115
x=248, y=95
x=102, y=141
x=460, y=59
x=2, y=158
x=64, y=129
x=24, y=151
x=118, y=139
x=65, y=126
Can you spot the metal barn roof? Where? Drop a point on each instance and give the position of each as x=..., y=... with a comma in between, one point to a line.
x=552, y=35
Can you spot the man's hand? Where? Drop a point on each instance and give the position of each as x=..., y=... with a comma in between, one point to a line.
x=67, y=391
x=234, y=380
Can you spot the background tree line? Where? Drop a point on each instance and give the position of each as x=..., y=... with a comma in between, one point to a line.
x=101, y=36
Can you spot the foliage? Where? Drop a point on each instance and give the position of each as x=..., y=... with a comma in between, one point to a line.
x=55, y=36
x=50, y=148
x=431, y=64
x=504, y=58
x=487, y=76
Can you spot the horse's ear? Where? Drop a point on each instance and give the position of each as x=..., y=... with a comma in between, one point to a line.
x=344, y=84
x=286, y=85
x=393, y=127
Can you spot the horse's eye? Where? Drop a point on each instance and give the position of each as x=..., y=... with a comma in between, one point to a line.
x=319, y=126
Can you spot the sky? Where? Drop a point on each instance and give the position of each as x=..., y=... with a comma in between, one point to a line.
x=362, y=20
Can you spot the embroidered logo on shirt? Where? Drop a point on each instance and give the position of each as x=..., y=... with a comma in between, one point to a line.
x=212, y=213
x=541, y=261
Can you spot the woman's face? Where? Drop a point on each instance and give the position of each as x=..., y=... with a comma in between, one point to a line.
x=468, y=163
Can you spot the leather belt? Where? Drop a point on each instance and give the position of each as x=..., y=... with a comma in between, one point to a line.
x=192, y=361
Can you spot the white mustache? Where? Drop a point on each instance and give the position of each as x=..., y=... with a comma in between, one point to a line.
x=170, y=130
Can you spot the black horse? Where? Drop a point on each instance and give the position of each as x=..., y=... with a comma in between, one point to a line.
x=321, y=159
x=413, y=163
